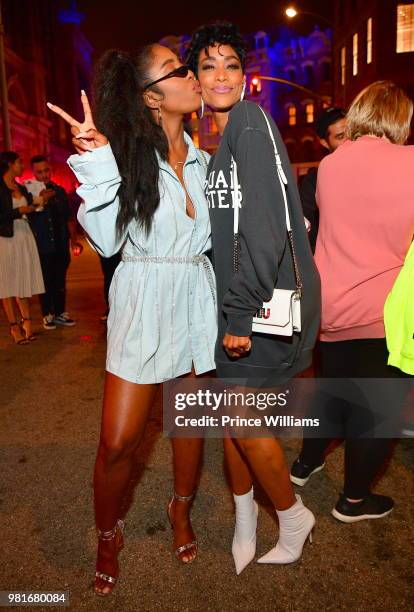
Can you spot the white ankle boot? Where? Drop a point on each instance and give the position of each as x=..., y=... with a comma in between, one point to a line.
x=295, y=526
x=244, y=540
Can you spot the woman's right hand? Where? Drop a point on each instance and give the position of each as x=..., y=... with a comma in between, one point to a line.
x=86, y=136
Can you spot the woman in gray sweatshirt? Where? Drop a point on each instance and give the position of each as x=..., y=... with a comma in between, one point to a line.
x=216, y=55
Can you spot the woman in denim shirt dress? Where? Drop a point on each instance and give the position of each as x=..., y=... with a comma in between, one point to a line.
x=143, y=193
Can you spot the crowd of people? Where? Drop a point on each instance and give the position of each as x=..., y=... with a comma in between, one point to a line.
x=37, y=231
x=189, y=280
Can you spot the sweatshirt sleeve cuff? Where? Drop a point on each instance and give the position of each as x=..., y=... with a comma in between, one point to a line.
x=239, y=325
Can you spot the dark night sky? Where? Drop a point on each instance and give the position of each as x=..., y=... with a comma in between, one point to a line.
x=127, y=24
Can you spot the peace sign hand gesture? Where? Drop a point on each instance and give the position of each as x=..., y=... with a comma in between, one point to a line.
x=86, y=136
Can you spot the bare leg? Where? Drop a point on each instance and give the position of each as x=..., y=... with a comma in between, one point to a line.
x=125, y=412
x=239, y=472
x=187, y=454
x=8, y=305
x=266, y=458
x=24, y=306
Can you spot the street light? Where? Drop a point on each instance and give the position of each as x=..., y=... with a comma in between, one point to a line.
x=291, y=12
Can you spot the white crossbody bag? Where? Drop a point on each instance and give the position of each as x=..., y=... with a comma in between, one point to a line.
x=281, y=316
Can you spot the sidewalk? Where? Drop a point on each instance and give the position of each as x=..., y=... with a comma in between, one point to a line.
x=50, y=399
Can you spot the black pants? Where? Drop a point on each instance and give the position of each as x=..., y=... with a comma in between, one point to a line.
x=363, y=456
x=54, y=268
x=108, y=265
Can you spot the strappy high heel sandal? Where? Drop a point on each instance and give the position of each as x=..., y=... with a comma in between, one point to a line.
x=193, y=545
x=22, y=339
x=30, y=337
x=118, y=533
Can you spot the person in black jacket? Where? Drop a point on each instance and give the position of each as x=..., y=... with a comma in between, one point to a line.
x=54, y=230
x=217, y=55
x=330, y=128
x=20, y=271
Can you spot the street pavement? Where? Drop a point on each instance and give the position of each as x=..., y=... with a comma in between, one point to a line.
x=51, y=392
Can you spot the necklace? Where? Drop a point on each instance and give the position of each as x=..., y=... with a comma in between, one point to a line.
x=179, y=163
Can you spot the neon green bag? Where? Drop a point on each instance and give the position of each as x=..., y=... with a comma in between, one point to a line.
x=399, y=317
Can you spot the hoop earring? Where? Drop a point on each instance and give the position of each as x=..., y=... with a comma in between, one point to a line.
x=243, y=91
x=201, y=115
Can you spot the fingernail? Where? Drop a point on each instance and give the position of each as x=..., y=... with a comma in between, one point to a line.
x=49, y=104
x=81, y=135
x=83, y=92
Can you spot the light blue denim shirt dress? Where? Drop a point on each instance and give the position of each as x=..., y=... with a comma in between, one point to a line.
x=162, y=318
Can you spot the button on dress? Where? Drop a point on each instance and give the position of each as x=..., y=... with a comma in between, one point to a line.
x=162, y=318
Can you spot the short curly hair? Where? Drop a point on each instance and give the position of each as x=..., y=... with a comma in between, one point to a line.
x=210, y=35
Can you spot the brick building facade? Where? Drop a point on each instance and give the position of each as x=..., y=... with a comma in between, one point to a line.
x=373, y=40
x=47, y=58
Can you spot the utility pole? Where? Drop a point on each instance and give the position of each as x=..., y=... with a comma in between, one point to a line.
x=3, y=91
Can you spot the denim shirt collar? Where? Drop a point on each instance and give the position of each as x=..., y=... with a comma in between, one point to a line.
x=191, y=156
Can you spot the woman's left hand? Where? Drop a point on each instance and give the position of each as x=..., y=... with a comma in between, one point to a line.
x=237, y=346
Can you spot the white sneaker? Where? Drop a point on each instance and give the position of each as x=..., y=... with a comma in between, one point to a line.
x=64, y=319
x=48, y=322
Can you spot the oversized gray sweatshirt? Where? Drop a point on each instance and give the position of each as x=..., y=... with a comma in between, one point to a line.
x=265, y=258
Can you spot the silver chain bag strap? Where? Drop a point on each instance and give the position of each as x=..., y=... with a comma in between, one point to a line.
x=282, y=315
x=206, y=262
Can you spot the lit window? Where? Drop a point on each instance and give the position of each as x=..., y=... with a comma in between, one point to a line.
x=292, y=115
x=309, y=109
x=355, y=54
x=343, y=65
x=405, y=28
x=369, y=40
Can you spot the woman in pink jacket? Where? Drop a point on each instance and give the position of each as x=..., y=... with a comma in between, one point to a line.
x=365, y=194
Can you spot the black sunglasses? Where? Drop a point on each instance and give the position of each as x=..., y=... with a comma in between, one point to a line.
x=180, y=72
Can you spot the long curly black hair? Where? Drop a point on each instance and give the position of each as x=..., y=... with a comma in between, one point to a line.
x=211, y=35
x=122, y=115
